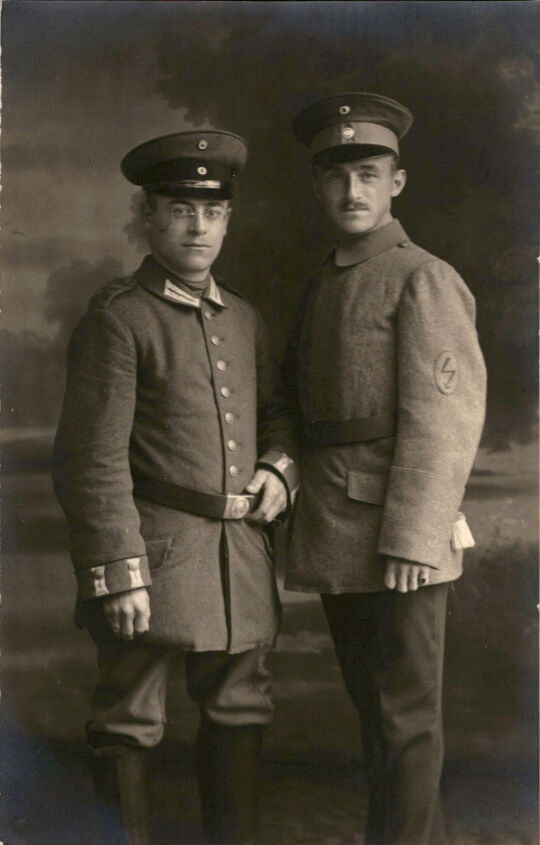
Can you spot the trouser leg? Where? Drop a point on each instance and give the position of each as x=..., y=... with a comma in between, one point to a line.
x=353, y=636
x=128, y=711
x=233, y=694
x=411, y=704
x=398, y=694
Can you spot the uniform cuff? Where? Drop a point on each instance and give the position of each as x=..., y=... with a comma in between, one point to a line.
x=286, y=470
x=115, y=577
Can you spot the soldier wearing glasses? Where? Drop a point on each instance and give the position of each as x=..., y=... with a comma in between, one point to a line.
x=388, y=383
x=171, y=459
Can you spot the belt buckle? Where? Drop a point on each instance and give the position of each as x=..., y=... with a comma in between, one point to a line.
x=238, y=507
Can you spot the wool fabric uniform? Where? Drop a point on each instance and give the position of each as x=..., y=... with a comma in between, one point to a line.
x=171, y=406
x=387, y=384
x=390, y=336
x=180, y=389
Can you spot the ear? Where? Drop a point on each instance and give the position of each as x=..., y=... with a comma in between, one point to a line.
x=147, y=213
x=399, y=180
x=314, y=177
x=226, y=219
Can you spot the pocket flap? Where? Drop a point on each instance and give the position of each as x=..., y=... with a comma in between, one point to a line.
x=156, y=551
x=366, y=486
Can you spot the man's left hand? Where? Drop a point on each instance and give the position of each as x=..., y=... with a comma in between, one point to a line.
x=405, y=575
x=274, y=495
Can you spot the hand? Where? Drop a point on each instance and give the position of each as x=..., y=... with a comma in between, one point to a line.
x=405, y=575
x=274, y=498
x=128, y=613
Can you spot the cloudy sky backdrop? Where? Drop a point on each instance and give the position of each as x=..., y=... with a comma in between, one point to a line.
x=83, y=82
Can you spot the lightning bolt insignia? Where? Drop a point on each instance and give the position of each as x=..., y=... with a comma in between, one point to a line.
x=446, y=372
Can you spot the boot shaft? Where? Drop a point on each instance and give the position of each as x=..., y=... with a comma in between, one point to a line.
x=121, y=786
x=228, y=767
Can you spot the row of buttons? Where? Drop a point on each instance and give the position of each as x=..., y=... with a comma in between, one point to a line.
x=225, y=391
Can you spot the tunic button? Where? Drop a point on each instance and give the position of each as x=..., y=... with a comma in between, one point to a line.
x=221, y=365
x=225, y=392
x=133, y=565
x=229, y=417
x=208, y=314
x=215, y=340
x=231, y=444
x=233, y=471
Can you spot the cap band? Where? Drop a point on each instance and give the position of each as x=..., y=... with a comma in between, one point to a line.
x=354, y=132
x=191, y=188
x=193, y=183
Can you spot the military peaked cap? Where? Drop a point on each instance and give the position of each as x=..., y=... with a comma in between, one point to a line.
x=355, y=118
x=201, y=164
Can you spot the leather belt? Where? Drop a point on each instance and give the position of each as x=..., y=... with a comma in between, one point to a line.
x=213, y=505
x=335, y=433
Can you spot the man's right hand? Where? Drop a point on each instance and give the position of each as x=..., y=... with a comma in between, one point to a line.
x=128, y=613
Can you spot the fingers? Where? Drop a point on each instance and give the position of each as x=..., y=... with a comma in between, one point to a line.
x=141, y=621
x=390, y=578
x=274, y=499
x=418, y=577
x=121, y=621
x=424, y=574
x=126, y=624
x=405, y=577
x=257, y=481
x=128, y=613
x=412, y=578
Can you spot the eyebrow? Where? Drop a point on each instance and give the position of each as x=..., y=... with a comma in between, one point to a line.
x=369, y=168
x=211, y=204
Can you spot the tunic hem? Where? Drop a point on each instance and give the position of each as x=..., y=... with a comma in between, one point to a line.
x=196, y=648
x=332, y=589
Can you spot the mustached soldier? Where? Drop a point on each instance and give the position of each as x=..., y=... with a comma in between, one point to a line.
x=171, y=459
x=388, y=382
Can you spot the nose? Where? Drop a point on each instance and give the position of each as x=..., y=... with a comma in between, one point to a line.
x=353, y=187
x=197, y=223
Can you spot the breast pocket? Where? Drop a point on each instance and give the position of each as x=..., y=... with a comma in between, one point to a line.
x=367, y=487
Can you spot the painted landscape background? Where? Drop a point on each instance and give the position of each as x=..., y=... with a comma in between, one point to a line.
x=83, y=83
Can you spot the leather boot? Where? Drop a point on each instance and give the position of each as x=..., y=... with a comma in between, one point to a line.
x=228, y=768
x=120, y=776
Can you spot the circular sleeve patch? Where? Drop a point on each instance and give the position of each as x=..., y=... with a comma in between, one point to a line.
x=446, y=372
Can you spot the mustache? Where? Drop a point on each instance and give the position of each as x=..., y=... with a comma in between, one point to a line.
x=353, y=206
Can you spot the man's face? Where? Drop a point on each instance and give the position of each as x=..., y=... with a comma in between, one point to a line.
x=185, y=235
x=356, y=196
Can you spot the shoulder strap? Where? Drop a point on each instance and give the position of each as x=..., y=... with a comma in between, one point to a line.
x=105, y=295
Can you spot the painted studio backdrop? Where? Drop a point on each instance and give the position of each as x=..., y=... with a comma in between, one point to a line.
x=83, y=83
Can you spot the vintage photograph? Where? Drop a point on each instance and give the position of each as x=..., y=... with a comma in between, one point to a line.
x=269, y=446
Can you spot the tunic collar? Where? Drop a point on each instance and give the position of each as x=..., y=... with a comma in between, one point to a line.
x=371, y=244
x=155, y=278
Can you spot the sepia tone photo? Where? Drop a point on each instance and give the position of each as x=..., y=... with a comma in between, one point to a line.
x=269, y=548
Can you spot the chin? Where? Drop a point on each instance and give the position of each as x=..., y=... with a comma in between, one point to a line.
x=192, y=266
x=355, y=230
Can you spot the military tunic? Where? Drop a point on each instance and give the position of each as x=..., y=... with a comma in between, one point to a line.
x=182, y=390
x=390, y=336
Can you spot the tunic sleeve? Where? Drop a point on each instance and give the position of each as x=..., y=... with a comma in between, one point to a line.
x=441, y=406
x=274, y=435
x=91, y=474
